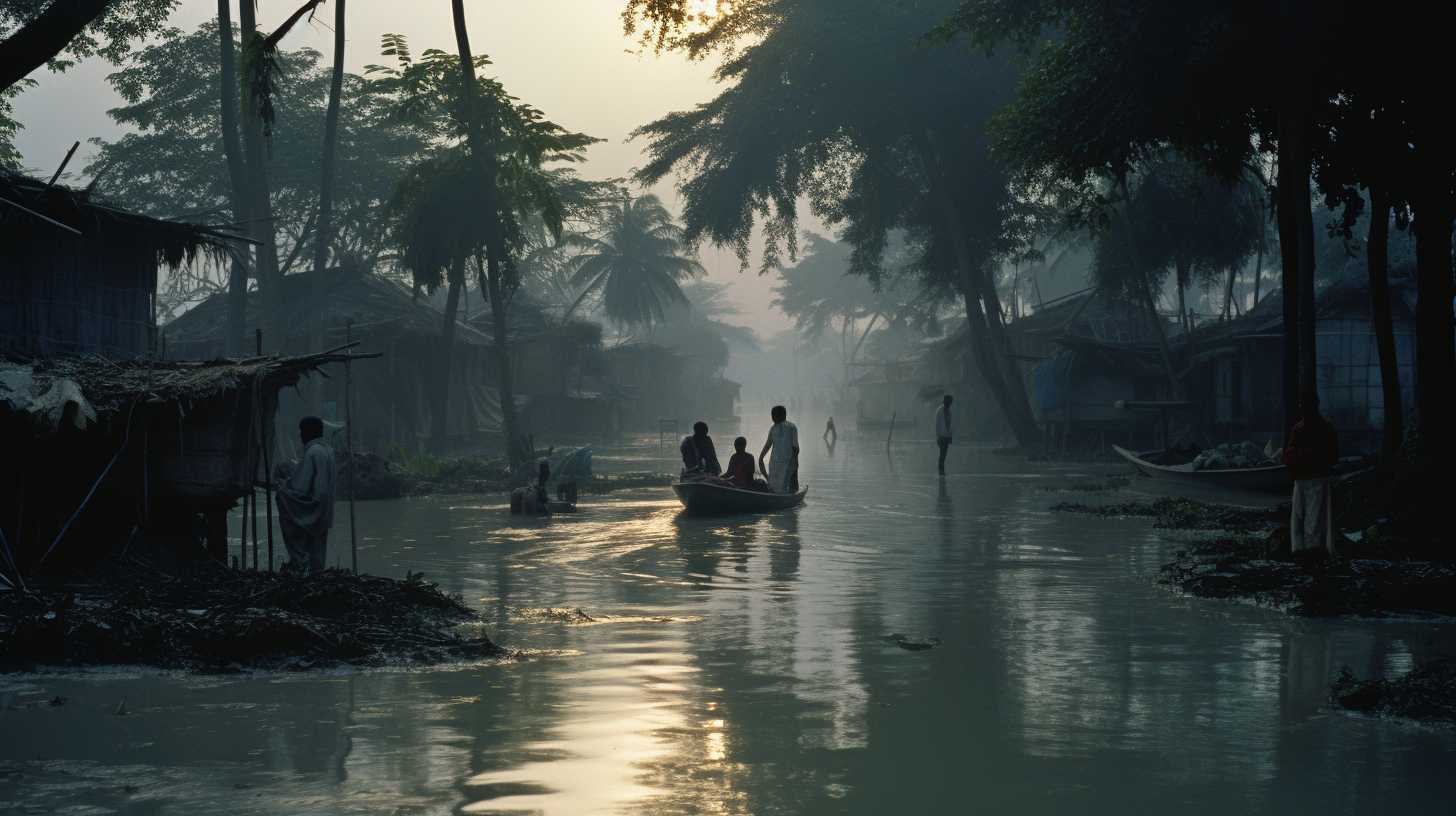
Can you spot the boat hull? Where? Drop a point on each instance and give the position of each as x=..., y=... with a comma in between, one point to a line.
x=705, y=499
x=1269, y=479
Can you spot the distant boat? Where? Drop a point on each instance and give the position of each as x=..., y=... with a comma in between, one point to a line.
x=708, y=499
x=1263, y=479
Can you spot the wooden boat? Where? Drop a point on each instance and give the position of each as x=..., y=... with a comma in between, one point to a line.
x=709, y=499
x=1263, y=479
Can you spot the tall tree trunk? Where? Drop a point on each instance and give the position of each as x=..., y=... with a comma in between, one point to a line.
x=1289, y=283
x=1180, y=279
x=1258, y=272
x=260, y=203
x=31, y=46
x=440, y=408
x=237, y=297
x=1228, y=292
x=1435, y=358
x=324, y=234
x=1304, y=219
x=1378, y=264
x=516, y=447
x=1135, y=258
x=483, y=152
x=1009, y=393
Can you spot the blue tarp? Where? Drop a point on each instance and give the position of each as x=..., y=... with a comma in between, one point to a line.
x=1051, y=384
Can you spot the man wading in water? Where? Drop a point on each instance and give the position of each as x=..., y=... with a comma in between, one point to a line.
x=306, y=500
x=942, y=429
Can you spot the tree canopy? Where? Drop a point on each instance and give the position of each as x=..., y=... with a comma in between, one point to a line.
x=171, y=104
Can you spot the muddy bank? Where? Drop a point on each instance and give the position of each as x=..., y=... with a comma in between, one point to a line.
x=1426, y=694
x=1089, y=484
x=212, y=619
x=1373, y=577
x=1186, y=514
x=1259, y=569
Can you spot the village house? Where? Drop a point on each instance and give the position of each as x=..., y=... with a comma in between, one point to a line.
x=109, y=449
x=661, y=388
x=392, y=397
x=1081, y=357
x=1235, y=368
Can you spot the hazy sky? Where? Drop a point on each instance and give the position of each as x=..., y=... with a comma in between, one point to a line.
x=567, y=57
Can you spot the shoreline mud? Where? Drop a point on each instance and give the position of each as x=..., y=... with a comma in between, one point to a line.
x=209, y=619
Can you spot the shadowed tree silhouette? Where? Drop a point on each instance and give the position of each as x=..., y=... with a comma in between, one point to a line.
x=635, y=260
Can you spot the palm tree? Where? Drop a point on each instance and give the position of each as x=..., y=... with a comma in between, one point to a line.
x=635, y=261
x=465, y=206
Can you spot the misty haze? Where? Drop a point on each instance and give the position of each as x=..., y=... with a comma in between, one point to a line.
x=725, y=406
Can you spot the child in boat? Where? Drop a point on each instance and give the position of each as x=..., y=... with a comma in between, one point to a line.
x=740, y=466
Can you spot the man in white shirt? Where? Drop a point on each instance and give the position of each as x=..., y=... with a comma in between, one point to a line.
x=306, y=500
x=942, y=429
x=783, y=440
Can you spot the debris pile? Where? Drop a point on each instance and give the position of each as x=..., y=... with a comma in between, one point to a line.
x=1259, y=569
x=1237, y=455
x=1172, y=513
x=1426, y=693
x=213, y=619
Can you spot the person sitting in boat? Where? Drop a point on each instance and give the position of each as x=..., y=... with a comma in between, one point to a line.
x=699, y=458
x=740, y=468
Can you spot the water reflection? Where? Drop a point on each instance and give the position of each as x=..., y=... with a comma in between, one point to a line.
x=741, y=665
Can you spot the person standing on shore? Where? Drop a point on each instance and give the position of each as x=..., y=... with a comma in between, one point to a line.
x=1310, y=455
x=306, y=500
x=783, y=440
x=943, y=429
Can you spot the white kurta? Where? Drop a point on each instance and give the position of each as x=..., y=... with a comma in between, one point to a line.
x=1309, y=516
x=783, y=438
x=307, y=498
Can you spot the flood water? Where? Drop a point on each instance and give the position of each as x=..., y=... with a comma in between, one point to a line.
x=745, y=665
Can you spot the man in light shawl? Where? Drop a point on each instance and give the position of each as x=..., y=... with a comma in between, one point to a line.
x=306, y=500
x=783, y=440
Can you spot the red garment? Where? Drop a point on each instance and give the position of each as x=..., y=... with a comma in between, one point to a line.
x=1312, y=449
x=740, y=469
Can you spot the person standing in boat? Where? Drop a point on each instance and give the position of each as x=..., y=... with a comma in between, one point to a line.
x=698, y=455
x=1310, y=455
x=942, y=429
x=783, y=440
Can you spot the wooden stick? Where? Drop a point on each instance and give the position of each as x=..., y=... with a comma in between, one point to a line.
x=53, y=222
x=64, y=162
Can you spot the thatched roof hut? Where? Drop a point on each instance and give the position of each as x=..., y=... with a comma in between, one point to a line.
x=392, y=404
x=104, y=451
x=78, y=276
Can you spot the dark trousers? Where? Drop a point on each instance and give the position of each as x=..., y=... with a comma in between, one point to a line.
x=944, y=443
x=305, y=552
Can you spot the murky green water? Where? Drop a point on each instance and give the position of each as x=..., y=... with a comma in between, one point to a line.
x=743, y=666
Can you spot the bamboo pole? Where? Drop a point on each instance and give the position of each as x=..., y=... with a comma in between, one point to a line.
x=255, y=529
x=267, y=488
x=349, y=440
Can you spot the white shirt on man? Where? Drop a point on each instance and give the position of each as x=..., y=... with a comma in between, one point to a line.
x=942, y=422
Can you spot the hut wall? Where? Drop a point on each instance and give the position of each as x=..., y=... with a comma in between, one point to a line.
x=63, y=295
